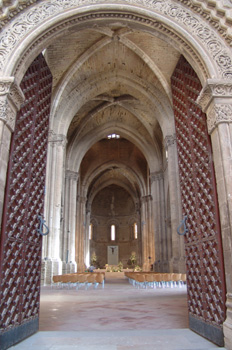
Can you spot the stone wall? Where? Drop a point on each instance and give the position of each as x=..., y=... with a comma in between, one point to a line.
x=114, y=206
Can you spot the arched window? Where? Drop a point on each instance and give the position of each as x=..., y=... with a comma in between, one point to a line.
x=91, y=231
x=135, y=231
x=112, y=233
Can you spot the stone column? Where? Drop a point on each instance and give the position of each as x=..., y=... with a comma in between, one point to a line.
x=87, y=241
x=216, y=101
x=81, y=232
x=177, y=263
x=11, y=98
x=157, y=192
x=70, y=220
x=147, y=233
x=52, y=251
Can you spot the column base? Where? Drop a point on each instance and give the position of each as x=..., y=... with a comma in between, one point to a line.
x=70, y=267
x=51, y=268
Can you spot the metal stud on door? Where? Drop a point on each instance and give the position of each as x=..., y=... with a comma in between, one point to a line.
x=204, y=255
x=24, y=202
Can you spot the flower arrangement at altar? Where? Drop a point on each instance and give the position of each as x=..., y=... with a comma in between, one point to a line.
x=93, y=259
x=138, y=268
x=133, y=258
x=114, y=268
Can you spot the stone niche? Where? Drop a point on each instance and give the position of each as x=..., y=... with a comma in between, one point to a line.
x=113, y=205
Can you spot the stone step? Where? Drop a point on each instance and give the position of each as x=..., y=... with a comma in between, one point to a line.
x=168, y=339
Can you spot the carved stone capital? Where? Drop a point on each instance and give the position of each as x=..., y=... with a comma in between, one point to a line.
x=5, y=85
x=16, y=95
x=214, y=89
x=57, y=139
x=146, y=199
x=156, y=176
x=11, y=99
x=169, y=140
x=72, y=175
x=216, y=101
x=219, y=113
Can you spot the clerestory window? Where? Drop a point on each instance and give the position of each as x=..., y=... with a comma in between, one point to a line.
x=113, y=136
x=135, y=231
x=112, y=233
x=90, y=231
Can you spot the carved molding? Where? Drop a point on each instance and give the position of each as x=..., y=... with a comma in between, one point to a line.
x=156, y=176
x=214, y=89
x=69, y=174
x=216, y=101
x=35, y=15
x=146, y=199
x=16, y=95
x=11, y=99
x=57, y=139
x=207, y=9
x=169, y=140
x=220, y=113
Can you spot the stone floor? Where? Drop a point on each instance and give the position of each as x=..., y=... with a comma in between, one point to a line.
x=118, y=317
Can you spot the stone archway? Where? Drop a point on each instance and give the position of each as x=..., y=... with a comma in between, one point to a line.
x=184, y=26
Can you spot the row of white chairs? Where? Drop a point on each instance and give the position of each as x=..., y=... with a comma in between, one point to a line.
x=78, y=280
x=156, y=280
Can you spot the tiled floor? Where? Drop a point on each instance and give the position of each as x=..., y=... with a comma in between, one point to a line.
x=118, y=317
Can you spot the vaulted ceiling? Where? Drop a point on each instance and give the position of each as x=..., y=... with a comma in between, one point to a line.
x=114, y=79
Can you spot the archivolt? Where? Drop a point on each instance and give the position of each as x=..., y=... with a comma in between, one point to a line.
x=31, y=31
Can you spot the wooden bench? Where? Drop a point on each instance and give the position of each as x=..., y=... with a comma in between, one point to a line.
x=156, y=279
x=78, y=280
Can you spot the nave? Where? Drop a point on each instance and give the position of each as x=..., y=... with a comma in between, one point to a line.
x=118, y=317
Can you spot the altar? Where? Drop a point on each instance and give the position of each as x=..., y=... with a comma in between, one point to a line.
x=112, y=255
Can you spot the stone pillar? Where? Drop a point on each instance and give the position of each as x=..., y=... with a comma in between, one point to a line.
x=70, y=220
x=216, y=101
x=11, y=98
x=147, y=233
x=177, y=263
x=52, y=250
x=161, y=245
x=87, y=241
x=80, y=233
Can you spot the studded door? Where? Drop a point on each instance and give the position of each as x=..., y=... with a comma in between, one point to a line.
x=24, y=201
x=204, y=257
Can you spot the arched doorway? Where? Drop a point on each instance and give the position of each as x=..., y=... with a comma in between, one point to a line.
x=137, y=83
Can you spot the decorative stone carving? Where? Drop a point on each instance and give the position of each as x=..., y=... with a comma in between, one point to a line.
x=72, y=175
x=57, y=139
x=156, y=176
x=205, y=9
x=220, y=113
x=11, y=98
x=169, y=140
x=216, y=100
x=34, y=16
x=16, y=95
x=146, y=199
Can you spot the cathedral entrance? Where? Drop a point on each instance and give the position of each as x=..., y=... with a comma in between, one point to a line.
x=130, y=152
